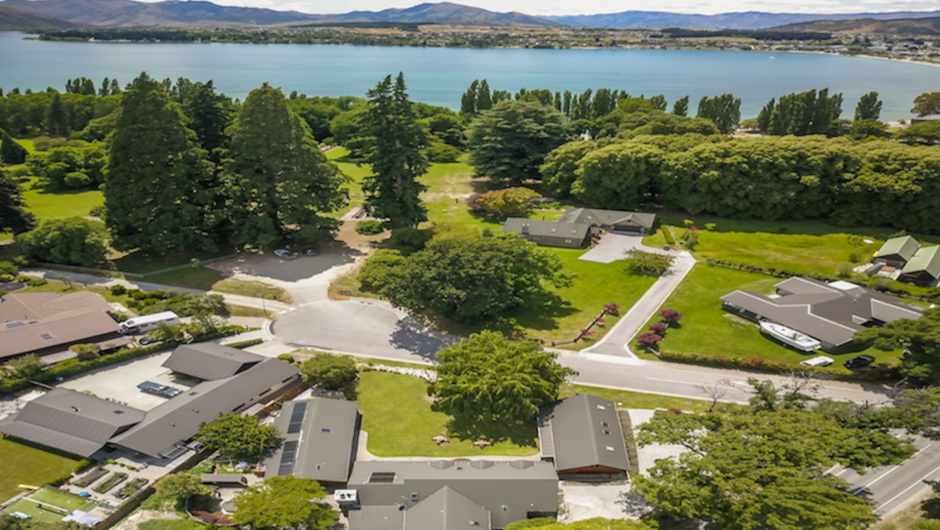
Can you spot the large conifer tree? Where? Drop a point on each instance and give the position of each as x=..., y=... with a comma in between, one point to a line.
x=158, y=185
x=393, y=191
x=208, y=116
x=13, y=214
x=10, y=151
x=279, y=180
x=57, y=119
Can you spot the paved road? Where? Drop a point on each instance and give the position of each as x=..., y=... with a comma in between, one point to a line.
x=890, y=486
x=616, y=342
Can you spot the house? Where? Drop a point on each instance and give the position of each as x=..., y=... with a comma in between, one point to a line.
x=70, y=421
x=830, y=313
x=582, y=435
x=925, y=119
x=44, y=323
x=164, y=431
x=897, y=251
x=924, y=268
x=575, y=227
x=436, y=495
x=320, y=439
x=209, y=361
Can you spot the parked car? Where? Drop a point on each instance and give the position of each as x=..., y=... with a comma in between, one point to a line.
x=157, y=389
x=310, y=252
x=819, y=360
x=859, y=361
x=145, y=340
x=283, y=253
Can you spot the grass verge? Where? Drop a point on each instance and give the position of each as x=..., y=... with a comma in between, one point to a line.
x=252, y=289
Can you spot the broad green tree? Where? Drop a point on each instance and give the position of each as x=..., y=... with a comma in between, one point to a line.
x=920, y=337
x=508, y=143
x=868, y=108
x=492, y=378
x=559, y=172
x=10, y=151
x=724, y=110
x=280, y=184
x=394, y=155
x=473, y=279
x=14, y=215
x=57, y=120
x=69, y=241
x=510, y=202
x=927, y=133
x=329, y=371
x=159, y=187
x=619, y=176
x=240, y=435
x=642, y=262
x=926, y=104
x=282, y=502
x=749, y=469
x=180, y=486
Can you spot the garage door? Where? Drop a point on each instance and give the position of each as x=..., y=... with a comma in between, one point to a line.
x=626, y=228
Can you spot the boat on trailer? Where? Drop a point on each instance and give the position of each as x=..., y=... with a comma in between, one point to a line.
x=790, y=337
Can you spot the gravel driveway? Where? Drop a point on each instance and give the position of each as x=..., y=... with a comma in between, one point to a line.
x=613, y=244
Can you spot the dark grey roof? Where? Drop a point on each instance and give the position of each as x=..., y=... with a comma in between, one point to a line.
x=509, y=490
x=447, y=509
x=70, y=421
x=209, y=361
x=376, y=518
x=831, y=313
x=583, y=431
x=608, y=217
x=178, y=418
x=323, y=433
x=516, y=225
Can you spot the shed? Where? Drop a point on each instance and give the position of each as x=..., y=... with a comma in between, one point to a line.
x=897, y=251
x=224, y=479
x=582, y=434
x=924, y=268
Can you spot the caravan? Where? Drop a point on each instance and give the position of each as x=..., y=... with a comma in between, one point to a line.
x=147, y=323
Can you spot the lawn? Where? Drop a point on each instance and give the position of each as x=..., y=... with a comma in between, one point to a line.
x=707, y=328
x=396, y=412
x=65, y=501
x=636, y=400
x=252, y=289
x=22, y=464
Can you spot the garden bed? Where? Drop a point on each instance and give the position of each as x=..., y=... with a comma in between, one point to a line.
x=112, y=481
x=131, y=488
x=89, y=478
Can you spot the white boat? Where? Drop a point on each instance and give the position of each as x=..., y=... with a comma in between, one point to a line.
x=790, y=337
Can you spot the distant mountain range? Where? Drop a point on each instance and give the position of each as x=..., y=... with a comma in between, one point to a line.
x=907, y=26
x=14, y=19
x=176, y=13
x=746, y=20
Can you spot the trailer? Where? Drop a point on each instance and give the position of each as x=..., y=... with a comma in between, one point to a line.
x=147, y=323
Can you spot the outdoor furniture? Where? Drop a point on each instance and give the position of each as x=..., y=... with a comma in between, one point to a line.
x=440, y=439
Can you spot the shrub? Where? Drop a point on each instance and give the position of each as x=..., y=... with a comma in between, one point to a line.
x=369, y=228
x=648, y=340
x=286, y=357
x=329, y=371
x=670, y=315
x=409, y=238
x=8, y=267
x=612, y=308
x=86, y=351
x=659, y=328
x=373, y=272
x=118, y=290
x=508, y=202
x=441, y=153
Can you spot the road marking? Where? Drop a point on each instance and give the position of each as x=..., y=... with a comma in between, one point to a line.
x=843, y=471
x=700, y=385
x=888, y=472
x=920, y=480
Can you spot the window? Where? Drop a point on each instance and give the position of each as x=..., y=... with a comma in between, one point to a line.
x=382, y=477
x=46, y=336
x=326, y=429
x=604, y=424
x=611, y=449
x=606, y=431
x=601, y=407
x=567, y=241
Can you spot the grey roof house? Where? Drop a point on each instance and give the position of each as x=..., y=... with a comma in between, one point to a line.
x=440, y=495
x=830, y=313
x=165, y=428
x=208, y=361
x=70, y=421
x=582, y=434
x=320, y=439
x=574, y=228
x=44, y=323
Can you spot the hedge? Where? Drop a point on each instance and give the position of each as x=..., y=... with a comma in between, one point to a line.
x=81, y=466
x=759, y=364
x=66, y=369
x=245, y=343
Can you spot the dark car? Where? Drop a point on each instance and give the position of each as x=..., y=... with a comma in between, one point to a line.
x=859, y=361
x=157, y=389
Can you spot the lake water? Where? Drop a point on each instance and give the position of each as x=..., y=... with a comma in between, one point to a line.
x=440, y=75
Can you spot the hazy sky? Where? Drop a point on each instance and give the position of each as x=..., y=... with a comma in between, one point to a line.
x=568, y=7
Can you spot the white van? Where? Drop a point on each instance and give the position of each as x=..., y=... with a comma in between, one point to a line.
x=147, y=323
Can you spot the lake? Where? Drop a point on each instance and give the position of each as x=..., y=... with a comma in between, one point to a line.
x=440, y=75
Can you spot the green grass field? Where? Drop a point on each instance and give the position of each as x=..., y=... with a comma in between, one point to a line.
x=22, y=464
x=396, y=412
x=636, y=400
x=40, y=512
x=707, y=328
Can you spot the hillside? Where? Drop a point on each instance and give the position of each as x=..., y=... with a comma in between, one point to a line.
x=908, y=26
x=128, y=13
x=16, y=19
x=745, y=20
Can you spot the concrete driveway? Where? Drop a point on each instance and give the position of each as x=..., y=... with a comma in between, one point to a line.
x=366, y=328
x=613, y=244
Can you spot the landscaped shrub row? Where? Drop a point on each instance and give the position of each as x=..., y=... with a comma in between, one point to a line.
x=131, y=488
x=73, y=366
x=783, y=273
x=759, y=364
x=182, y=303
x=245, y=343
x=112, y=481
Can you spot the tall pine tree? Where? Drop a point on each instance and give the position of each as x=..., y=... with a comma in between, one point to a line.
x=280, y=182
x=57, y=119
x=159, y=186
x=11, y=152
x=13, y=214
x=393, y=191
x=208, y=116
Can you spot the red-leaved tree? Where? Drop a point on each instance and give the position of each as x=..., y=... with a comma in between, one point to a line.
x=670, y=315
x=648, y=340
x=659, y=328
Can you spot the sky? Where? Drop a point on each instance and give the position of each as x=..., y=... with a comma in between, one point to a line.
x=588, y=7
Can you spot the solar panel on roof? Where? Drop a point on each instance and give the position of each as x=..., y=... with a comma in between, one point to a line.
x=297, y=418
x=287, y=459
x=12, y=325
x=382, y=477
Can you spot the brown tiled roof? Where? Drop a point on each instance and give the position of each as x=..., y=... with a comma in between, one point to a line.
x=38, y=321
